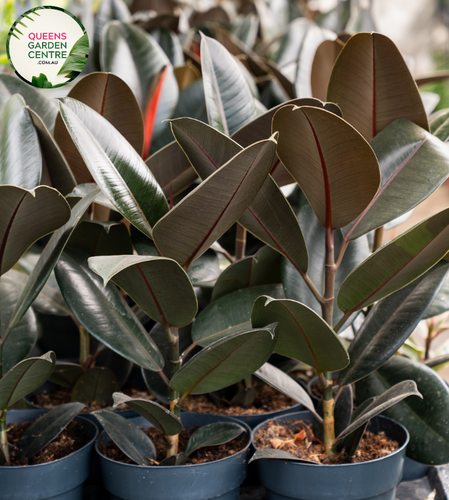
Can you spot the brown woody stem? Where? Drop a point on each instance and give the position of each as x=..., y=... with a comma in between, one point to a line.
x=84, y=345
x=173, y=339
x=240, y=242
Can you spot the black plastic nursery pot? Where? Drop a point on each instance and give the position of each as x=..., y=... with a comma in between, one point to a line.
x=61, y=479
x=374, y=480
x=220, y=479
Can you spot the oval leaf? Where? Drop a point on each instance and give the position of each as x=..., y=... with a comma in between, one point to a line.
x=158, y=285
x=213, y=435
x=224, y=362
x=134, y=443
x=373, y=86
x=47, y=428
x=162, y=419
x=95, y=386
x=302, y=333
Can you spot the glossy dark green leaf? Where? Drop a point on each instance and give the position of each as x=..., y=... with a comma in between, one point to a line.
x=142, y=244
x=46, y=108
x=191, y=227
x=119, y=366
x=170, y=44
x=396, y=264
x=104, y=312
x=336, y=162
x=440, y=303
x=20, y=154
x=230, y=314
x=389, y=323
x=229, y=100
x=95, y=386
x=213, y=435
x=16, y=344
x=115, y=166
x=179, y=459
x=413, y=163
x=134, y=443
x=302, y=333
x=161, y=418
x=153, y=380
x=224, y=362
x=287, y=385
x=205, y=270
x=66, y=374
x=280, y=454
x=426, y=419
x=263, y=268
x=24, y=378
x=373, y=85
x=101, y=238
x=26, y=216
x=171, y=169
x=158, y=285
x=294, y=285
x=352, y=441
x=135, y=56
x=439, y=124
x=49, y=257
x=56, y=171
x=390, y=397
x=47, y=428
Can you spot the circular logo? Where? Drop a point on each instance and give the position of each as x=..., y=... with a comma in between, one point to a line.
x=47, y=47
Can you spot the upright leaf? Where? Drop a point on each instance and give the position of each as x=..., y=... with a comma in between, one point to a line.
x=20, y=154
x=194, y=224
x=213, y=435
x=115, y=166
x=330, y=160
x=302, y=333
x=229, y=100
x=325, y=56
x=158, y=285
x=95, y=386
x=373, y=86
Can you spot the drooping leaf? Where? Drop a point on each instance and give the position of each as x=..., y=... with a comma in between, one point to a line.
x=95, y=386
x=136, y=57
x=224, y=362
x=66, y=374
x=47, y=428
x=263, y=268
x=213, y=435
x=396, y=264
x=230, y=314
x=115, y=166
x=373, y=85
x=46, y=108
x=352, y=440
x=287, y=385
x=389, y=323
x=134, y=443
x=104, y=312
x=189, y=229
x=77, y=58
x=302, y=333
x=280, y=454
x=393, y=395
x=24, y=378
x=161, y=418
x=229, y=101
x=15, y=345
x=101, y=238
x=330, y=160
x=413, y=163
x=56, y=171
x=426, y=419
x=49, y=257
x=26, y=216
x=20, y=154
x=158, y=285
x=111, y=97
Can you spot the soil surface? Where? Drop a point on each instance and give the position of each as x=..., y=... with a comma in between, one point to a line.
x=62, y=395
x=71, y=439
x=267, y=400
x=299, y=440
x=207, y=454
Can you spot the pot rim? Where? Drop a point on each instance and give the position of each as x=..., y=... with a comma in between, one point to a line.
x=303, y=414
x=174, y=467
x=58, y=460
x=245, y=415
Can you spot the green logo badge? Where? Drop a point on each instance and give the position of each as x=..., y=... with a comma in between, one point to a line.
x=47, y=47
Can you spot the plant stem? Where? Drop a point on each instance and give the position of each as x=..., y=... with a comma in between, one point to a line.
x=84, y=345
x=173, y=340
x=378, y=238
x=428, y=340
x=3, y=437
x=240, y=242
